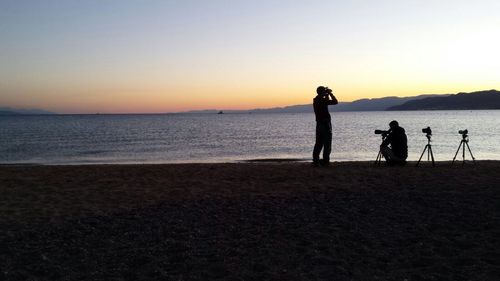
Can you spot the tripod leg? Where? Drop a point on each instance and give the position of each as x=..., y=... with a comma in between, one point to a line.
x=463, y=153
x=379, y=158
x=425, y=148
x=456, y=153
x=470, y=151
x=432, y=156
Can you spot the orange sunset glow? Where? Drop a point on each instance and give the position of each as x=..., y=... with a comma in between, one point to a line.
x=144, y=58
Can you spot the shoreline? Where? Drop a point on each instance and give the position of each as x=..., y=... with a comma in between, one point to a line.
x=240, y=161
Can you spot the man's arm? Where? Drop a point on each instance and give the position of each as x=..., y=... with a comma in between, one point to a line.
x=388, y=140
x=332, y=100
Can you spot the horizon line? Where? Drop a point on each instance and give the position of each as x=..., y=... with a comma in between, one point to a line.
x=228, y=110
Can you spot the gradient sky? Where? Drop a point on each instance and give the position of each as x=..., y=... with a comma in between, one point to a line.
x=167, y=56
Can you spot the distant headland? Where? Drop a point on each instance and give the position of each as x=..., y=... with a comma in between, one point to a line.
x=469, y=101
x=17, y=111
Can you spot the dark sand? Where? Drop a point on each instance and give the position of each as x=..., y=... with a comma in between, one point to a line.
x=250, y=221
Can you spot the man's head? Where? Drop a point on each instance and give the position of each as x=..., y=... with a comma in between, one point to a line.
x=394, y=124
x=322, y=91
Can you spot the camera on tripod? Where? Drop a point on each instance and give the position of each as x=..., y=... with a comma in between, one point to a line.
x=427, y=131
x=463, y=144
x=430, y=155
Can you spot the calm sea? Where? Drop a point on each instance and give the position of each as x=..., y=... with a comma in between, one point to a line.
x=177, y=138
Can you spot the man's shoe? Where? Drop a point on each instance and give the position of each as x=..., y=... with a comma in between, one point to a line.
x=324, y=163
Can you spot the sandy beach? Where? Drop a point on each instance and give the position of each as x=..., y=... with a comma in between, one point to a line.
x=250, y=221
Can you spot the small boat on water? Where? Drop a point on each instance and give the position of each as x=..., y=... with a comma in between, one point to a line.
x=221, y=112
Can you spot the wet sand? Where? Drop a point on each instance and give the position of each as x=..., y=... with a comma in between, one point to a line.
x=250, y=221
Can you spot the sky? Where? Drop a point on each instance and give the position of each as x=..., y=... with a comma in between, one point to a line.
x=124, y=56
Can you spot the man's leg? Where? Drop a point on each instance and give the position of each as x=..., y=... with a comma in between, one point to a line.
x=388, y=154
x=391, y=158
x=318, y=145
x=327, y=142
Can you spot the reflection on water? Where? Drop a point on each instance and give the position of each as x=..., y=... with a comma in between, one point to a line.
x=75, y=139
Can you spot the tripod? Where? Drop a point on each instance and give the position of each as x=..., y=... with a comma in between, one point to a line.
x=463, y=143
x=427, y=147
x=378, y=160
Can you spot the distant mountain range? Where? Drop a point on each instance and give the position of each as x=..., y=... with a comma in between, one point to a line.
x=377, y=104
x=475, y=100
x=16, y=111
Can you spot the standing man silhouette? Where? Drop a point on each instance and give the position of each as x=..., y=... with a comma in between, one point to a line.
x=321, y=102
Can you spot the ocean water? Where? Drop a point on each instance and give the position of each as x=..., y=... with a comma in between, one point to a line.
x=181, y=138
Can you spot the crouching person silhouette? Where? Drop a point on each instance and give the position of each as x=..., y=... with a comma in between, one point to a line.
x=397, y=153
x=321, y=102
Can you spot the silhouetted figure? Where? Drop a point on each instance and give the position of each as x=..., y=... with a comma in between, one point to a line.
x=397, y=153
x=321, y=102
